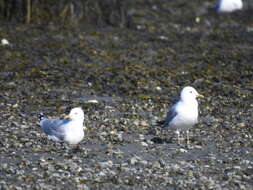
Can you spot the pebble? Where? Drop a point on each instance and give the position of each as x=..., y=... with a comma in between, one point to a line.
x=183, y=150
x=5, y=42
x=136, y=122
x=107, y=164
x=144, y=144
x=142, y=137
x=143, y=124
x=134, y=160
x=92, y=101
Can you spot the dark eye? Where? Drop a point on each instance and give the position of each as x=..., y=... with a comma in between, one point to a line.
x=191, y=92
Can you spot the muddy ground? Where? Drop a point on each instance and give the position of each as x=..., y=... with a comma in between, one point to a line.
x=135, y=75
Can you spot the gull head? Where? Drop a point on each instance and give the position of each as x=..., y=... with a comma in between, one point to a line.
x=189, y=94
x=76, y=114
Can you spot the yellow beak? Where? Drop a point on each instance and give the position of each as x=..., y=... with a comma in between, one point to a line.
x=67, y=117
x=200, y=96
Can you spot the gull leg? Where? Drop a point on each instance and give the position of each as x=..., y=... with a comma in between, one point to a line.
x=178, y=136
x=187, y=136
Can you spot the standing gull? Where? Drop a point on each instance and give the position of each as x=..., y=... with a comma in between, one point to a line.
x=69, y=129
x=184, y=114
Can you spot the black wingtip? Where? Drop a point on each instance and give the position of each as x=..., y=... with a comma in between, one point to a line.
x=158, y=123
x=41, y=116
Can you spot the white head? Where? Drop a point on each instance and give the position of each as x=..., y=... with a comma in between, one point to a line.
x=76, y=114
x=189, y=93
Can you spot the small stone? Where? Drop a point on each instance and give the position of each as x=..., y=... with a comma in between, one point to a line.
x=119, y=136
x=242, y=124
x=158, y=88
x=143, y=124
x=136, y=122
x=15, y=106
x=190, y=173
x=92, y=101
x=144, y=144
x=134, y=160
x=24, y=126
x=107, y=164
x=183, y=150
x=197, y=19
x=113, y=132
x=4, y=166
x=156, y=165
x=143, y=162
x=5, y=42
x=103, y=133
x=15, y=124
x=142, y=137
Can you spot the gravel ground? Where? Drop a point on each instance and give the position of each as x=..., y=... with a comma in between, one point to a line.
x=134, y=75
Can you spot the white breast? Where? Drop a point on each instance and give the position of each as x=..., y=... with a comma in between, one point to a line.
x=187, y=116
x=74, y=133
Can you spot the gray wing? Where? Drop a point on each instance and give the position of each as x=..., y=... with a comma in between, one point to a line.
x=217, y=6
x=171, y=114
x=54, y=128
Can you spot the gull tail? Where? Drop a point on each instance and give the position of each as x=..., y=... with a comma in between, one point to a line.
x=163, y=124
x=158, y=123
x=41, y=117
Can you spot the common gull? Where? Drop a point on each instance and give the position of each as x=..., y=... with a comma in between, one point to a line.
x=69, y=129
x=184, y=114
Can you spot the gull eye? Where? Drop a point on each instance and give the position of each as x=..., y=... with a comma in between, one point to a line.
x=191, y=92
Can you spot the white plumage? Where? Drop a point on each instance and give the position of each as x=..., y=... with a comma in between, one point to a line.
x=228, y=5
x=184, y=114
x=69, y=130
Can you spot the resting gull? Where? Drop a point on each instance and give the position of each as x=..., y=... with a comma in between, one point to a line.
x=69, y=129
